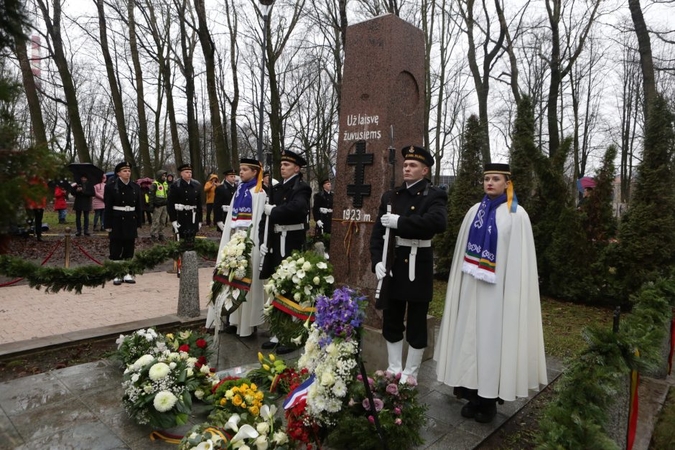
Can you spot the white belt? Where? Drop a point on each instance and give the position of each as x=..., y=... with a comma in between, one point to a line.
x=284, y=229
x=193, y=208
x=414, y=244
x=124, y=208
x=226, y=208
x=325, y=210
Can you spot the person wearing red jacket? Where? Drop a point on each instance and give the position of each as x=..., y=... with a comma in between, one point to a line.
x=60, y=205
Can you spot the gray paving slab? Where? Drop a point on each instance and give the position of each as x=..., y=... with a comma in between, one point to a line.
x=80, y=407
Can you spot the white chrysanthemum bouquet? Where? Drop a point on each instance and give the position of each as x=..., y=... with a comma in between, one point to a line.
x=157, y=388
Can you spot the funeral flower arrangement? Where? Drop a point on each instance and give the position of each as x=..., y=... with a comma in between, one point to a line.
x=276, y=377
x=198, y=345
x=331, y=352
x=205, y=436
x=292, y=291
x=400, y=415
x=233, y=272
x=243, y=412
x=157, y=388
x=162, y=371
x=139, y=343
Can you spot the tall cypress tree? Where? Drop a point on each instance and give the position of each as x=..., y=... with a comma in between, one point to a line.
x=558, y=235
x=597, y=214
x=524, y=152
x=645, y=239
x=464, y=193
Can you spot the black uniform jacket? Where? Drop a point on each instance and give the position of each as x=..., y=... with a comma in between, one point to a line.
x=224, y=194
x=323, y=199
x=84, y=197
x=423, y=213
x=124, y=224
x=184, y=193
x=292, y=207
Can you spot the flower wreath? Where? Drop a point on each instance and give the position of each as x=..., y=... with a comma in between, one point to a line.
x=292, y=291
x=232, y=276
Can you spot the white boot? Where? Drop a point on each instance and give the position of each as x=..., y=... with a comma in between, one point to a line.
x=394, y=356
x=412, y=364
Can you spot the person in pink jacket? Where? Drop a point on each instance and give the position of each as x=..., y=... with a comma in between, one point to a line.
x=98, y=205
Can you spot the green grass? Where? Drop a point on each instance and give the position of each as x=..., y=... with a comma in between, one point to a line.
x=663, y=437
x=563, y=322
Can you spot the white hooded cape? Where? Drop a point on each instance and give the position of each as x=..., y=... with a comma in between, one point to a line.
x=250, y=313
x=491, y=336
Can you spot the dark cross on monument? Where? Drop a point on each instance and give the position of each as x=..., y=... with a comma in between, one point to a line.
x=359, y=159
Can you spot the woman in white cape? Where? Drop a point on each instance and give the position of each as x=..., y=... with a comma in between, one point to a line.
x=491, y=345
x=246, y=209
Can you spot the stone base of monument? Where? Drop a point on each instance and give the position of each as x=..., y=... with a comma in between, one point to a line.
x=188, y=291
x=375, y=347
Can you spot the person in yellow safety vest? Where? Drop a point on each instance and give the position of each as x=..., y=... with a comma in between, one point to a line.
x=159, y=190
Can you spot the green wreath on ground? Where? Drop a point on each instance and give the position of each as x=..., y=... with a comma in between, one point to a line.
x=286, y=327
x=55, y=279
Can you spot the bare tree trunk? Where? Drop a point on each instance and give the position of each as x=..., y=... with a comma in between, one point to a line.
x=30, y=88
x=209, y=50
x=143, y=138
x=646, y=61
x=115, y=93
x=53, y=26
x=160, y=37
x=282, y=35
x=513, y=63
x=187, y=46
x=233, y=22
x=558, y=69
x=481, y=81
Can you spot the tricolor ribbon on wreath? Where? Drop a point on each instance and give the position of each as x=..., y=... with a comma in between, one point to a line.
x=238, y=283
x=294, y=309
x=230, y=295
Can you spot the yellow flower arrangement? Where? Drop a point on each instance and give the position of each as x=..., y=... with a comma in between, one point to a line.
x=243, y=398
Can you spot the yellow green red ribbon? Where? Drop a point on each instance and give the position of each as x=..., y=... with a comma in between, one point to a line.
x=294, y=309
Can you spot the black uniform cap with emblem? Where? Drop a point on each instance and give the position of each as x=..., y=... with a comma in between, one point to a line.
x=324, y=181
x=184, y=167
x=250, y=162
x=504, y=169
x=417, y=154
x=229, y=172
x=122, y=165
x=293, y=157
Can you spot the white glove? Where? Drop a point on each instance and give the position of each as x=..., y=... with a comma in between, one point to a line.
x=220, y=225
x=323, y=210
x=263, y=250
x=226, y=208
x=390, y=220
x=175, y=226
x=319, y=223
x=380, y=271
x=199, y=226
x=269, y=208
x=109, y=230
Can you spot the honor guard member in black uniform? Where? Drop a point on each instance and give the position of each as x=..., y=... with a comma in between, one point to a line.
x=122, y=216
x=323, y=208
x=418, y=212
x=224, y=193
x=288, y=213
x=184, y=205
